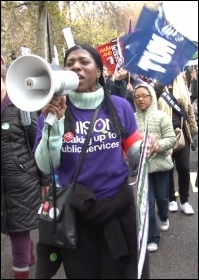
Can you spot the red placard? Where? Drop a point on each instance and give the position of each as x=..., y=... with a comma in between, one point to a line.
x=107, y=55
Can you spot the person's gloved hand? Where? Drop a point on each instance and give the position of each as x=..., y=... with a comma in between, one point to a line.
x=194, y=145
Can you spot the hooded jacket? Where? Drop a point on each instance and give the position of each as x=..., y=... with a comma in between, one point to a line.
x=161, y=125
x=21, y=179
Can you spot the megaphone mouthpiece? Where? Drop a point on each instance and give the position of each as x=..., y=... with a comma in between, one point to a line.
x=42, y=83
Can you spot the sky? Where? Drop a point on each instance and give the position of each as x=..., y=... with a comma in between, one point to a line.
x=184, y=17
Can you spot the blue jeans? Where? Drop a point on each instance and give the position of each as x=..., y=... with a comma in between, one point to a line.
x=159, y=193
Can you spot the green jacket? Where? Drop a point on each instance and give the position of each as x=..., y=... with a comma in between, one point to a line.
x=161, y=125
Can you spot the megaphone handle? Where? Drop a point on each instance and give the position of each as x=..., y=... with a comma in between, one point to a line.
x=50, y=119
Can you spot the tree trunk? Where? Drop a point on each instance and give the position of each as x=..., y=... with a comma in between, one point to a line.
x=41, y=45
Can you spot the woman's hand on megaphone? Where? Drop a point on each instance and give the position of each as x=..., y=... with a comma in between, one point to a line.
x=57, y=106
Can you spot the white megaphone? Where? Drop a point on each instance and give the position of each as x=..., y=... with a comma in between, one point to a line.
x=31, y=83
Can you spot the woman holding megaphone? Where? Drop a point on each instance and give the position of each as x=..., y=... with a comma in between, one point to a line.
x=104, y=172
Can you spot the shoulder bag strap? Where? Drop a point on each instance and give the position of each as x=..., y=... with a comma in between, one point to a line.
x=171, y=100
x=82, y=152
x=80, y=159
x=86, y=143
x=181, y=123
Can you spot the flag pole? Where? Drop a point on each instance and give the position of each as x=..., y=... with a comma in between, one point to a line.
x=129, y=76
x=49, y=39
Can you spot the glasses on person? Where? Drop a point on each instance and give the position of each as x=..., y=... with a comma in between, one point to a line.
x=143, y=96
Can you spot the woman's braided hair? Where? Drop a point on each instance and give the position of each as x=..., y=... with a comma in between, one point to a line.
x=115, y=121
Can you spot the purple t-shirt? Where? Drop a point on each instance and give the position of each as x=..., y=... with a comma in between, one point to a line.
x=103, y=168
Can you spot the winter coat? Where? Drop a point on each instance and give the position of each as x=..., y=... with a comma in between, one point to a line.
x=21, y=179
x=181, y=94
x=190, y=125
x=159, y=124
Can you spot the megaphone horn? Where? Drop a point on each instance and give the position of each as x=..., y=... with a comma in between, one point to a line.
x=31, y=82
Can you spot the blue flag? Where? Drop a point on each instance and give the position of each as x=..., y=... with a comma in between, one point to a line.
x=156, y=49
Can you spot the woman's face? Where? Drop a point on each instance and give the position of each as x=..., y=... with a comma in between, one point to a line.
x=3, y=89
x=82, y=63
x=142, y=98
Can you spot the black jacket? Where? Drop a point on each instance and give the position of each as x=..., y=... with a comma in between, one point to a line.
x=112, y=220
x=194, y=89
x=21, y=179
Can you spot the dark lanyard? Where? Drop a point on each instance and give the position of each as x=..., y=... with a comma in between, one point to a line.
x=171, y=100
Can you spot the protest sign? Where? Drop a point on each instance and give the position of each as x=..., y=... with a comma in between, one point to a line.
x=106, y=52
x=25, y=51
x=141, y=190
x=55, y=59
x=68, y=37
